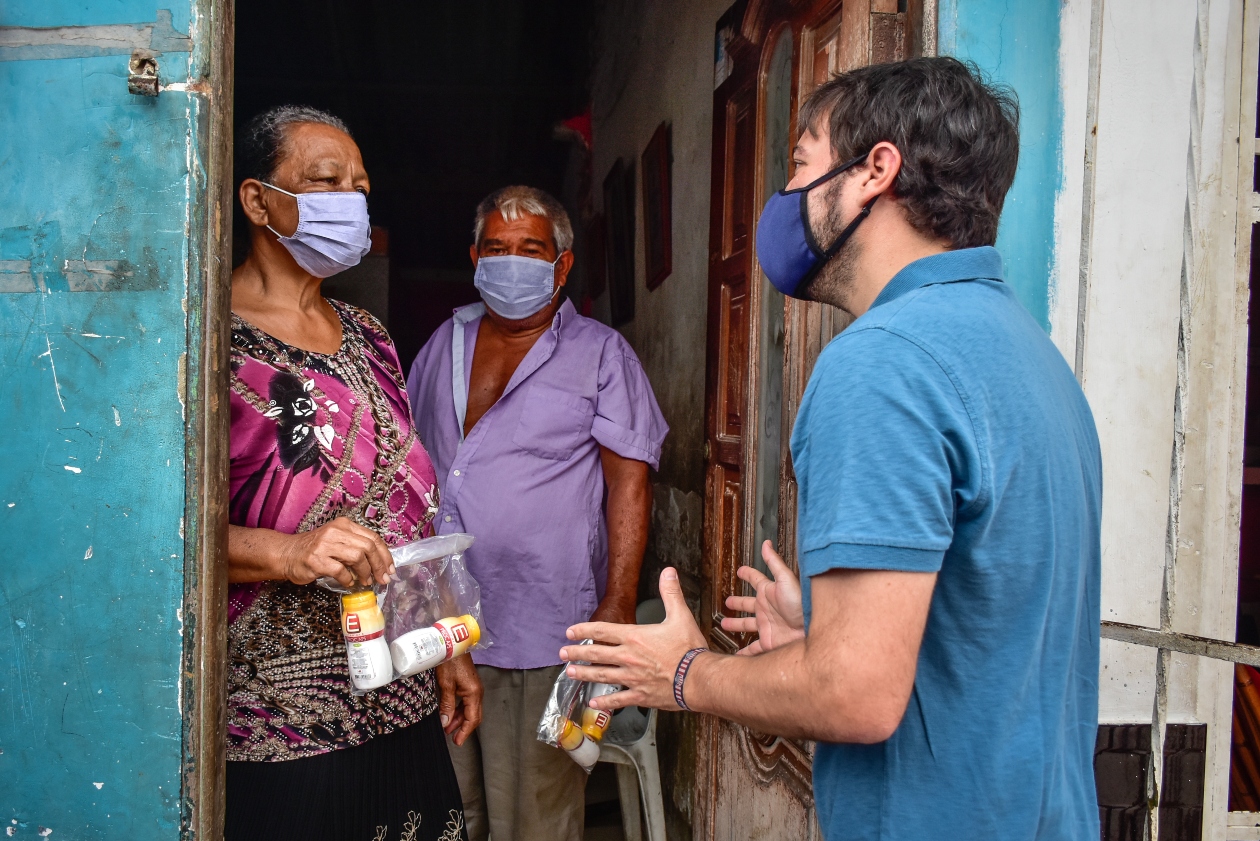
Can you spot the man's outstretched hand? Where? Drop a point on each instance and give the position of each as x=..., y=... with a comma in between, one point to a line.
x=777, y=615
x=642, y=658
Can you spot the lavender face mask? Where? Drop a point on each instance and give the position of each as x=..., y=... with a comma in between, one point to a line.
x=333, y=231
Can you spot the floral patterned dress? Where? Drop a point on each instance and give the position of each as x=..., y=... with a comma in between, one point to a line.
x=315, y=437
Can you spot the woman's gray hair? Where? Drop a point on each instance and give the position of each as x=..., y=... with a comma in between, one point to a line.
x=260, y=143
x=512, y=202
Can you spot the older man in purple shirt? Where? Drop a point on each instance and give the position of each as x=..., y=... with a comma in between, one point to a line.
x=531, y=413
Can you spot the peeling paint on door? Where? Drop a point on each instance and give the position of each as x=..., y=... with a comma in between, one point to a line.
x=101, y=259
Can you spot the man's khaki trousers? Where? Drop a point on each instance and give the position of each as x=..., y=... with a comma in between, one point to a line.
x=516, y=788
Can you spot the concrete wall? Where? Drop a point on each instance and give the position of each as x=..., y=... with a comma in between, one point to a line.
x=98, y=200
x=654, y=63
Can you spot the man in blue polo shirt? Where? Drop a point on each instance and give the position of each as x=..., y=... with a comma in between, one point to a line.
x=944, y=650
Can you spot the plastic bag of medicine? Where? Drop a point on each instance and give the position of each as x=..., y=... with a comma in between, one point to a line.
x=432, y=605
x=570, y=724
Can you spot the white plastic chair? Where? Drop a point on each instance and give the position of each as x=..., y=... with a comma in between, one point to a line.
x=631, y=746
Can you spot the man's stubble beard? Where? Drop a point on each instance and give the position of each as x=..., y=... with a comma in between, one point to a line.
x=835, y=280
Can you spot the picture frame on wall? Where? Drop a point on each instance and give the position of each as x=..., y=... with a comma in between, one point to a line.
x=655, y=165
x=619, y=240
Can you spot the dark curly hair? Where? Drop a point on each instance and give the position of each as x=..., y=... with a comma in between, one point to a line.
x=958, y=135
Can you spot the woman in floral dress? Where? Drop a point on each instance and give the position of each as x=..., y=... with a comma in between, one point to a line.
x=326, y=475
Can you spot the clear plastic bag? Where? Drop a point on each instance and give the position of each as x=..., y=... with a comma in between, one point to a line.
x=430, y=612
x=568, y=722
x=433, y=605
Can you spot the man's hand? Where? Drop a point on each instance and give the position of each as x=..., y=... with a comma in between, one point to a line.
x=642, y=658
x=460, y=706
x=778, y=616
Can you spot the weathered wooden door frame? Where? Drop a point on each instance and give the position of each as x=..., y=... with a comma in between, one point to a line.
x=204, y=668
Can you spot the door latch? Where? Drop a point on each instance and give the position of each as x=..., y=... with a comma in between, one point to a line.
x=142, y=76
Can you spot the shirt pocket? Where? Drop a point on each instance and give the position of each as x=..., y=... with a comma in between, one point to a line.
x=553, y=422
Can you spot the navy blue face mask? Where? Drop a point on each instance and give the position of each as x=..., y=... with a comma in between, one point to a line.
x=786, y=247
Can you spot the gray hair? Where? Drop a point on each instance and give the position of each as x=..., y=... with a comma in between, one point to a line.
x=260, y=143
x=512, y=202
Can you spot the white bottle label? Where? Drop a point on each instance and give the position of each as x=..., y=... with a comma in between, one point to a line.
x=418, y=650
x=367, y=652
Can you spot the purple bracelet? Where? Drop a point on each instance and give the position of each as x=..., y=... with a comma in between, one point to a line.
x=684, y=665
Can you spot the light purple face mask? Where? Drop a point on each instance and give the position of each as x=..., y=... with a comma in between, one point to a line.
x=333, y=232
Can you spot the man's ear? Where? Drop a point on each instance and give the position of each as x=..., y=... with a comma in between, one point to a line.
x=563, y=266
x=884, y=165
x=472, y=252
x=251, y=197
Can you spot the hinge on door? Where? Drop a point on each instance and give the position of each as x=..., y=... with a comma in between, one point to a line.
x=706, y=450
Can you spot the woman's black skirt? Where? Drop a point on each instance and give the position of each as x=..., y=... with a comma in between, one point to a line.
x=398, y=787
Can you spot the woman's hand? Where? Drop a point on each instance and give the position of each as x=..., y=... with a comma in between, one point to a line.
x=778, y=616
x=460, y=706
x=342, y=549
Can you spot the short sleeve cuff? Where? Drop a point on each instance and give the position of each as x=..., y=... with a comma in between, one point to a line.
x=869, y=556
x=626, y=442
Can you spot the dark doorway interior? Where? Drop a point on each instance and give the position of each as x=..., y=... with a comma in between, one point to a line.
x=448, y=100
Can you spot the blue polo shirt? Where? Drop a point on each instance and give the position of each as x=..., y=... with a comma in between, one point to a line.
x=943, y=432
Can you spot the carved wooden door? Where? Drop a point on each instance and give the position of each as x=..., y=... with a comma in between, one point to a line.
x=760, y=350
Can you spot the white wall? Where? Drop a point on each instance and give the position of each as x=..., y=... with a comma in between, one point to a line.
x=1147, y=303
x=654, y=63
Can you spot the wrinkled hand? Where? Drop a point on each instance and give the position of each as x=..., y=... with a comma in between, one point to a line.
x=343, y=550
x=459, y=709
x=616, y=612
x=642, y=658
x=778, y=616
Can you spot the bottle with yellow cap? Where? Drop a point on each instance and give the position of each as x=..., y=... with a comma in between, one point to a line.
x=580, y=747
x=363, y=625
x=595, y=722
x=424, y=648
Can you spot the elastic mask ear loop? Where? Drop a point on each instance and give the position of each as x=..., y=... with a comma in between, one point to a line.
x=287, y=193
x=277, y=189
x=556, y=291
x=834, y=248
x=850, y=228
x=827, y=176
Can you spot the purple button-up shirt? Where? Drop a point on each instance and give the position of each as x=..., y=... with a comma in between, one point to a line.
x=527, y=482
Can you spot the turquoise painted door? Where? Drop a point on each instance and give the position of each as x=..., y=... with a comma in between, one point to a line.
x=109, y=573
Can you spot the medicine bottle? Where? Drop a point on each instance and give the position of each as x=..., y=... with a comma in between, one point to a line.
x=424, y=648
x=595, y=722
x=363, y=625
x=578, y=746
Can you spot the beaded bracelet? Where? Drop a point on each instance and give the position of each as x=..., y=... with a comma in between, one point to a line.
x=681, y=675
